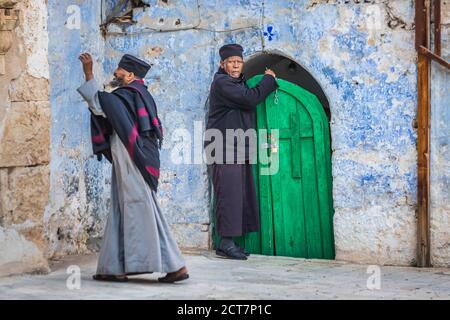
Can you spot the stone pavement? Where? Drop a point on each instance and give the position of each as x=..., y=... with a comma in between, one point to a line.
x=260, y=277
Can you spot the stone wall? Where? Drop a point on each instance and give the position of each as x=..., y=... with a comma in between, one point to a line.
x=363, y=56
x=24, y=139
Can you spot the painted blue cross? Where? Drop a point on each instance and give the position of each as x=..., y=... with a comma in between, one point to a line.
x=269, y=33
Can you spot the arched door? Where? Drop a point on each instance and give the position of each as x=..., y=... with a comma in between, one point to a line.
x=296, y=211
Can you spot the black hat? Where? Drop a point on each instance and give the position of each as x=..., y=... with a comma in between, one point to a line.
x=230, y=50
x=135, y=65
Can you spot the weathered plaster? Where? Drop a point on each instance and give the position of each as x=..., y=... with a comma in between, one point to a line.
x=79, y=199
x=440, y=151
x=363, y=56
x=366, y=69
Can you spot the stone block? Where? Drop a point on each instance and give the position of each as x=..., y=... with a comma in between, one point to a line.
x=25, y=139
x=18, y=255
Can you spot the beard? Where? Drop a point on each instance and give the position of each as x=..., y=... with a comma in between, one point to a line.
x=116, y=82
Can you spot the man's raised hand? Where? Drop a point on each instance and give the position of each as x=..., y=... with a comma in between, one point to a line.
x=86, y=60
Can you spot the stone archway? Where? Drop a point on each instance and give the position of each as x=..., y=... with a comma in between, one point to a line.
x=288, y=69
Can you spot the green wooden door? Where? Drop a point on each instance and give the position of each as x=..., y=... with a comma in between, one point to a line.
x=296, y=210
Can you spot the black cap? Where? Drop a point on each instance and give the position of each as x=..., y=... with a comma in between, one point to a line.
x=135, y=65
x=231, y=50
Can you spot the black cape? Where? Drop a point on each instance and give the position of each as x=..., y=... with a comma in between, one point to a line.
x=132, y=113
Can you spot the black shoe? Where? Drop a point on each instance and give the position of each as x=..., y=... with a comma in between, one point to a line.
x=171, y=278
x=244, y=251
x=231, y=253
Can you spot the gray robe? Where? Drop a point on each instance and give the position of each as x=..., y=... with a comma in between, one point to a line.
x=137, y=237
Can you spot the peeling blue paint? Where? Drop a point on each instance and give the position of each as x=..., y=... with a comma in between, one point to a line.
x=372, y=101
x=355, y=42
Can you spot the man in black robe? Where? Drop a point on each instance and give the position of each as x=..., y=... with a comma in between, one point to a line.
x=232, y=107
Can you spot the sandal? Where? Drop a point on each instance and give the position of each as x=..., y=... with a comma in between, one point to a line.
x=174, y=276
x=172, y=279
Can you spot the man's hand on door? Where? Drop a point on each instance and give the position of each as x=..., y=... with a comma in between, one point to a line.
x=270, y=73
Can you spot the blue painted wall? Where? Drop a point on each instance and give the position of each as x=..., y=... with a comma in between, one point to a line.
x=79, y=187
x=362, y=55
